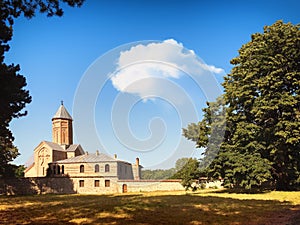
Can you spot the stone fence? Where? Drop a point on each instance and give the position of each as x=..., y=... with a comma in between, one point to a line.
x=67, y=185
x=149, y=185
x=36, y=185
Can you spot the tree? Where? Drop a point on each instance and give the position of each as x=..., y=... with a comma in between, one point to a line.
x=180, y=163
x=14, y=96
x=14, y=171
x=188, y=173
x=262, y=94
x=239, y=170
x=262, y=137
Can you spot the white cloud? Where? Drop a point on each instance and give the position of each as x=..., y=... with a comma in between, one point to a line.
x=140, y=68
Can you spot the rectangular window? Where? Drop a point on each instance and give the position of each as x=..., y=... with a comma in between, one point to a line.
x=107, y=183
x=97, y=183
x=81, y=183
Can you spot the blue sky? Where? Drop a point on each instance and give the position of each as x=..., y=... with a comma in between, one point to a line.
x=77, y=59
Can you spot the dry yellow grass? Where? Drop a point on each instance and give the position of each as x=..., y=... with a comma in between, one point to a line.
x=291, y=197
x=203, y=207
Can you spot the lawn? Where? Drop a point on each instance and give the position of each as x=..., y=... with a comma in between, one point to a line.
x=203, y=207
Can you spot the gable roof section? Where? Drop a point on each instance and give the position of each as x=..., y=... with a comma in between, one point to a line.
x=54, y=146
x=57, y=147
x=62, y=113
x=49, y=145
x=89, y=158
x=29, y=167
x=72, y=148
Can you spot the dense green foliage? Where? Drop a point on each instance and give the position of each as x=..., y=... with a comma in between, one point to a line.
x=13, y=95
x=189, y=172
x=261, y=141
x=14, y=171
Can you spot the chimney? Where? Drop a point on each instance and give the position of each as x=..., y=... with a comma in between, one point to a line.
x=137, y=169
x=97, y=152
x=115, y=156
x=86, y=153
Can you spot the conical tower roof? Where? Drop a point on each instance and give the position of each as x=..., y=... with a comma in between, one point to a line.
x=62, y=113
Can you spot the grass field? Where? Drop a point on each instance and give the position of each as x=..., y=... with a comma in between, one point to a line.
x=203, y=207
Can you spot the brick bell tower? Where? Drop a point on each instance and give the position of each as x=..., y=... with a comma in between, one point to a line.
x=62, y=130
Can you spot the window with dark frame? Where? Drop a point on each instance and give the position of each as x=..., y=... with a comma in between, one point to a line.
x=97, y=168
x=106, y=168
x=97, y=183
x=107, y=183
x=81, y=183
x=81, y=168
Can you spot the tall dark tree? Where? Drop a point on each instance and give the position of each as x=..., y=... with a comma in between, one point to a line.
x=13, y=95
x=263, y=96
x=262, y=138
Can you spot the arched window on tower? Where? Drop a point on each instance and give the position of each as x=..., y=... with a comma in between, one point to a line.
x=81, y=168
x=97, y=168
x=106, y=168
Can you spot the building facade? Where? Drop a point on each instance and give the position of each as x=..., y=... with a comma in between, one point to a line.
x=93, y=172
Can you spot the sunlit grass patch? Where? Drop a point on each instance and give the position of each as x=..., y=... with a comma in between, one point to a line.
x=81, y=220
x=291, y=197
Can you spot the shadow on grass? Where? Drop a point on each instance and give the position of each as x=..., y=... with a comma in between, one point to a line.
x=242, y=190
x=143, y=209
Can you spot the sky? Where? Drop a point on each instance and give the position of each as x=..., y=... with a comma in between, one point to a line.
x=132, y=73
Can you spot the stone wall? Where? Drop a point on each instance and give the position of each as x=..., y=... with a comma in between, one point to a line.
x=66, y=185
x=125, y=171
x=149, y=185
x=214, y=184
x=36, y=185
x=89, y=185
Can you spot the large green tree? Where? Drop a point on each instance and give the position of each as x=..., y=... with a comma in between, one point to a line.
x=261, y=94
x=237, y=168
x=13, y=95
